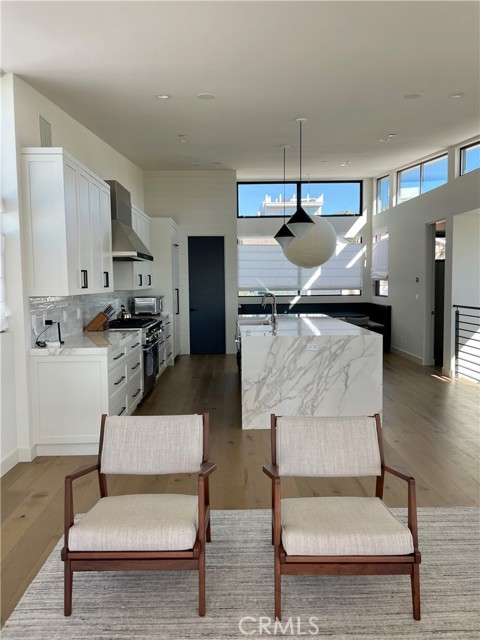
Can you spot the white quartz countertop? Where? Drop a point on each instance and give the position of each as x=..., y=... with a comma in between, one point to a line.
x=317, y=325
x=88, y=343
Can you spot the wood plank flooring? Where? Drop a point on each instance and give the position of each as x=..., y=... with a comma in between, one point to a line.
x=431, y=426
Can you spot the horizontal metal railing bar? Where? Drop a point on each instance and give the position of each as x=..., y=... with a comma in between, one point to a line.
x=471, y=344
x=463, y=306
x=467, y=357
x=470, y=324
x=475, y=337
x=463, y=367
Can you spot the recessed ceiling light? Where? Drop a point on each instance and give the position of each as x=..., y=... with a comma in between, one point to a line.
x=413, y=96
x=392, y=135
x=381, y=139
x=206, y=96
x=345, y=162
x=455, y=96
x=325, y=161
x=163, y=96
x=196, y=164
x=216, y=163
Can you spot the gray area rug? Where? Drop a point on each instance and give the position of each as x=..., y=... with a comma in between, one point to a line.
x=141, y=606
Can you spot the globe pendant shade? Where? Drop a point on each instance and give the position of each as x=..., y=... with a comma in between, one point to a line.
x=315, y=248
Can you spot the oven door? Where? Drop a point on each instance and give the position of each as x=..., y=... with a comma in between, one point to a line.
x=150, y=366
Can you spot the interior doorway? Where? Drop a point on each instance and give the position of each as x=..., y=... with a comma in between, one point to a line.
x=206, y=283
x=436, y=249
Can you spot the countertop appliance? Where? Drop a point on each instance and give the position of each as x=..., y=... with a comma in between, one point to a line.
x=148, y=305
x=126, y=245
x=152, y=337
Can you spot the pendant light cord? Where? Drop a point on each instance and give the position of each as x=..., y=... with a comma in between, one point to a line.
x=301, y=152
x=284, y=156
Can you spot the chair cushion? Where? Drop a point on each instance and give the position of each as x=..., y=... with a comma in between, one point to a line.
x=146, y=522
x=343, y=526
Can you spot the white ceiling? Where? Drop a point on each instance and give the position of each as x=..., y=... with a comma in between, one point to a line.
x=345, y=66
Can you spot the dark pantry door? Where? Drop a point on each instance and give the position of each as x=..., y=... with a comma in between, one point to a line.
x=206, y=278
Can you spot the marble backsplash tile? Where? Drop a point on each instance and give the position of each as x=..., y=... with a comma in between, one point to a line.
x=73, y=312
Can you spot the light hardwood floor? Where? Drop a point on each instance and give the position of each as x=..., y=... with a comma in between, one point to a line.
x=431, y=426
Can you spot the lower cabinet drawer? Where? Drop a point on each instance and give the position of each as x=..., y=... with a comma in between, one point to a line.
x=134, y=393
x=118, y=405
x=117, y=379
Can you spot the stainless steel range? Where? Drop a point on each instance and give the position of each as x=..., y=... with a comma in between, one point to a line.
x=151, y=328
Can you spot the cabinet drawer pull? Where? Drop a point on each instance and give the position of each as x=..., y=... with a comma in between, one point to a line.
x=162, y=362
x=119, y=356
x=106, y=279
x=136, y=394
x=137, y=344
x=84, y=274
x=119, y=381
x=149, y=280
x=122, y=411
x=169, y=354
x=169, y=336
x=136, y=366
x=140, y=280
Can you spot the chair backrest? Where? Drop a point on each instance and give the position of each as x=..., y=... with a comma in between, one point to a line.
x=152, y=444
x=327, y=447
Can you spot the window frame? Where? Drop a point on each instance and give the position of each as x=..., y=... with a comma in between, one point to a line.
x=299, y=184
x=385, y=177
x=463, y=151
x=421, y=166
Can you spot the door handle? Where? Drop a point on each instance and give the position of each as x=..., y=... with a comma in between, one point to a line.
x=191, y=309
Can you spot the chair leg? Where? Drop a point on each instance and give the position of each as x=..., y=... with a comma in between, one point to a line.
x=201, y=583
x=415, y=580
x=278, y=586
x=68, y=588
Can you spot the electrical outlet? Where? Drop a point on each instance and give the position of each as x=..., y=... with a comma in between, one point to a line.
x=312, y=346
x=48, y=323
x=65, y=315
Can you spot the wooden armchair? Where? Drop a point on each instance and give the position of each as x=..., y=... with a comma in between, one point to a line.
x=147, y=532
x=338, y=535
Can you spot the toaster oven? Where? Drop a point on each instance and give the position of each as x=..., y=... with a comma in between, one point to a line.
x=151, y=305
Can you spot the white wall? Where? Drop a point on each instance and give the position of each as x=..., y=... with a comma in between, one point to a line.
x=466, y=259
x=21, y=107
x=202, y=203
x=408, y=259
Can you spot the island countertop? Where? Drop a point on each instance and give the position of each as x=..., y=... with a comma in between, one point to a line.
x=308, y=366
x=318, y=325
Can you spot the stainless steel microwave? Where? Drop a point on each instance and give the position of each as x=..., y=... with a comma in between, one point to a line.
x=148, y=305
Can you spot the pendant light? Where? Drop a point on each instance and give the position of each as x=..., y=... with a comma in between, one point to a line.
x=300, y=223
x=284, y=236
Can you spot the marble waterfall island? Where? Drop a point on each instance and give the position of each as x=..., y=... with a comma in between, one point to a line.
x=309, y=366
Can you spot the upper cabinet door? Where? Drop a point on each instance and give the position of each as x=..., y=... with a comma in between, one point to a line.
x=67, y=218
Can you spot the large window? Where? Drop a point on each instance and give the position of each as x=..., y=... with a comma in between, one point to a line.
x=383, y=193
x=422, y=178
x=318, y=198
x=263, y=266
x=469, y=158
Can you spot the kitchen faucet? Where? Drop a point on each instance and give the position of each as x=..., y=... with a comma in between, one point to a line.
x=273, y=302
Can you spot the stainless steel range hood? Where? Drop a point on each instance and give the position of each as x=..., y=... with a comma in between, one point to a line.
x=126, y=245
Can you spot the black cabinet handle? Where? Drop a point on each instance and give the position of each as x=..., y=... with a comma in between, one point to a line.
x=120, y=355
x=136, y=366
x=177, y=293
x=140, y=279
x=119, y=381
x=192, y=309
x=122, y=411
x=136, y=394
x=149, y=280
x=134, y=345
x=169, y=354
x=162, y=362
x=84, y=274
x=106, y=279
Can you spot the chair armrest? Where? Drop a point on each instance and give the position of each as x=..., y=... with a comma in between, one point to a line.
x=207, y=468
x=412, y=500
x=400, y=473
x=69, y=513
x=271, y=470
x=82, y=471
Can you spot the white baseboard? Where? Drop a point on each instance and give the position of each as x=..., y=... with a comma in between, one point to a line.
x=407, y=355
x=8, y=462
x=27, y=454
x=70, y=449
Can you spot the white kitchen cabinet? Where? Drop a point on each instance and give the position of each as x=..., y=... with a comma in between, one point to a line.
x=71, y=391
x=165, y=249
x=136, y=275
x=66, y=211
